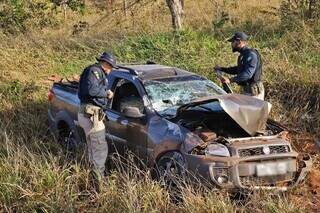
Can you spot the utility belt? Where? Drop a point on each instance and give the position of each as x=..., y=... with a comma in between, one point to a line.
x=91, y=111
x=253, y=88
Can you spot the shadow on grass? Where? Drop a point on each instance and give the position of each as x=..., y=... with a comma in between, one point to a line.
x=25, y=124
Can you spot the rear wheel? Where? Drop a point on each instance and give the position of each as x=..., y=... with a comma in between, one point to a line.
x=69, y=138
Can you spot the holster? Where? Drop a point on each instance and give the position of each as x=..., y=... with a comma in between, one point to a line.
x=93, y=112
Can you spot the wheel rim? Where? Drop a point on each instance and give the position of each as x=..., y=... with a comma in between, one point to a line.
x=170, y=170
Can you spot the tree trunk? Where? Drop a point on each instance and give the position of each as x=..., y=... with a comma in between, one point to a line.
x=176, y=10
x=125, y=7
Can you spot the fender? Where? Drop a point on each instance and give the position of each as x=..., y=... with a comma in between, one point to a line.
x=65, y=117
x=162, y=148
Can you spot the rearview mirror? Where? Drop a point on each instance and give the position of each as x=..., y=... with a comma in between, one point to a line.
x=132, y=112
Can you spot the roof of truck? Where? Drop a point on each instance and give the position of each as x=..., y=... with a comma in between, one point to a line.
x=154, y=71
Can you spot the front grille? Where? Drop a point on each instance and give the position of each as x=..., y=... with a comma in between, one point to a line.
x=250, y=181
x=256, y=151
x=279, y=149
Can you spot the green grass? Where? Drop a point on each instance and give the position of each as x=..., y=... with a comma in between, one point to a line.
x=190, y=50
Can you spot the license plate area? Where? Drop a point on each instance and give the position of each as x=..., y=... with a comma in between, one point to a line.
x=272, y=169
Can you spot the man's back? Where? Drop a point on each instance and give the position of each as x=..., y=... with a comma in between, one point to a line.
x=93, y=86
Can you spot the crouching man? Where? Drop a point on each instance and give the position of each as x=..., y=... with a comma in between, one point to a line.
x=93, y=94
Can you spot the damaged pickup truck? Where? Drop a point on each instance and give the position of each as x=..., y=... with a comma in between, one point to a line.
x=179, y=122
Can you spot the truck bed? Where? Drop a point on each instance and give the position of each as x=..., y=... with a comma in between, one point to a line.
x=63, y=103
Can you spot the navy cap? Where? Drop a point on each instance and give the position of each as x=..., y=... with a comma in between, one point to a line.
x=238, y=36
x=109, y=58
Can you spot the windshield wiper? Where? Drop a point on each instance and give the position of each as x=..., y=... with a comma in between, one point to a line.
x=204, y=107
x=194, y=104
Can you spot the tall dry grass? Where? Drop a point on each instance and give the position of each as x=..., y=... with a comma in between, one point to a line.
x=39, y=177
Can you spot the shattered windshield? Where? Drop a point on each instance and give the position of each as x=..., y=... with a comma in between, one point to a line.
x=167, y=95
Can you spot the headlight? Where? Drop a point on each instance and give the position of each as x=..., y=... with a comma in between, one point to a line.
x=217, y=150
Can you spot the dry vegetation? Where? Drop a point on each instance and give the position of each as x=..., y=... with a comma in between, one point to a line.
x=36, y=174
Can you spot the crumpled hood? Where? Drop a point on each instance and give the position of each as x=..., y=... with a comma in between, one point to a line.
x=250, y=113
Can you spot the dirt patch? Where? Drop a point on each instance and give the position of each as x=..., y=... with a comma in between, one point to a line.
x=314, y=181
x=304, y=142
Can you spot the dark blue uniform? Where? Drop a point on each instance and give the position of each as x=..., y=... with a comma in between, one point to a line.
x=93, y=86
x=249, y=68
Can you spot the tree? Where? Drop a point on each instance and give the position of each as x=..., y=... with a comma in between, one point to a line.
x=176, y=10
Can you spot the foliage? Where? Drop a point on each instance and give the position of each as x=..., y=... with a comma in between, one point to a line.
x=19, y=15
x=187, y=49
x=75, y=5
x=297, y=12
x=23, y=15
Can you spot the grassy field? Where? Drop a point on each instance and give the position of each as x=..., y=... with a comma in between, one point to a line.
x=37, y=175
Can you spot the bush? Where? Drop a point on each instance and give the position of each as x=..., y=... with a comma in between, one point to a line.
x=75, y=5
x=297, y=12
x=22, y=15
x=12, y=16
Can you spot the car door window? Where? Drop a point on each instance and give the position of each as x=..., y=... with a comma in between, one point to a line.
x=126, y=95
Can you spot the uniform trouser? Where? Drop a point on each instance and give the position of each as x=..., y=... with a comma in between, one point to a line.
x=96, y=141
x=255, y=90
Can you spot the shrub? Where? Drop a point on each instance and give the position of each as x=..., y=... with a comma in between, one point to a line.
x=297, y=12
x=21, y=15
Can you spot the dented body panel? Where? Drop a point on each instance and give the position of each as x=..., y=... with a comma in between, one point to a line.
x=279, y=171
x=226, y=140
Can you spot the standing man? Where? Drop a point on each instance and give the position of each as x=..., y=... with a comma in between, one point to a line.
x=249, y=69
x=93, y=94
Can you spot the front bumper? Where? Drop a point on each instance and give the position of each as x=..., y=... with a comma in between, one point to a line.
x=242, y=173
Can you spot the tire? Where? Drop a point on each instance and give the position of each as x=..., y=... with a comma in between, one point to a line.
x=171, y=169
x=69, y=138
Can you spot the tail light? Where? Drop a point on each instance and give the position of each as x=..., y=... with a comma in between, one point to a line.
x=50, y=95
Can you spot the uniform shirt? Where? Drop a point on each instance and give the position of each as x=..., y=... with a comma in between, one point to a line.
x=93, y=86
x=248, y=70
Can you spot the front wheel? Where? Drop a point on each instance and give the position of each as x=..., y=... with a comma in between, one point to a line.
x=171, y=169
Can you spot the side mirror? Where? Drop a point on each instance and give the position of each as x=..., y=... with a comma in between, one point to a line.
x=132, y=112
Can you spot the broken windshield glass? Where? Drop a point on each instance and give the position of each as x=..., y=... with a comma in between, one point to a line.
x=166, y=95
